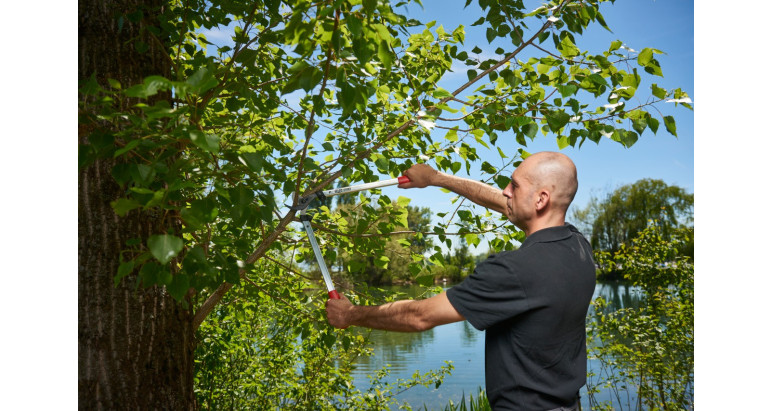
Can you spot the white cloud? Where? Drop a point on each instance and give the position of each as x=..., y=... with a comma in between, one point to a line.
x=428, y=125
x=614, y=106
x=680, y=100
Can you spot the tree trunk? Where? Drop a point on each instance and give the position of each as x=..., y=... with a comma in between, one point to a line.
x=135, y=345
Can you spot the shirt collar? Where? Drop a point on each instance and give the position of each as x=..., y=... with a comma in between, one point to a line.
x=550, y=234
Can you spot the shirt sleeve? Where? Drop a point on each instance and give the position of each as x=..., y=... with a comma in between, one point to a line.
x=491, y=294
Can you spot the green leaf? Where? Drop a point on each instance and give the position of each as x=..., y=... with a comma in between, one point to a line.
x=491, y=34
x=669, y=123
x=308, y=79
x=645, y=59
x=639, y=124
x=488, y=168
x=628, y=138
x=567, y=48
x=425, y=280
x=567, y=89
x=164, y=276
x=645, y=56
x=658, y=92
x=151, y=86
x=123, y=205
x=128, y=147
x=653, y=124
x=242, y=198
x=200, y=212
x=346, y=97
x=597, y=79
x=441, y=93
x=329, y=340
x=178, y=287
x=654, y=68
x=530, y=129
x=86, y=155
x=142, y=174
x=562, y=142
x=472, y=239
x=149, y=273
x=382, y=261
x=502, y=181
x=164, y=247
x=557, y=120
x=452, y=135
x=252, y=160
x=207, y=142
x=201, y=81
x=354, y=24
x=369, y=5
x=384, y=54
x=124, y=269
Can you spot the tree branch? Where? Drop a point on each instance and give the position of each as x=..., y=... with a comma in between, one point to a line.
x=220, y=292
x=311, y=121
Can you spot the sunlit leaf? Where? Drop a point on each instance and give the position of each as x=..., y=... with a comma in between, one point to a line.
x=164, y=247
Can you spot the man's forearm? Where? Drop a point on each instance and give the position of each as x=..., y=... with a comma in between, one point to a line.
x=476, y=191
x=404, y=316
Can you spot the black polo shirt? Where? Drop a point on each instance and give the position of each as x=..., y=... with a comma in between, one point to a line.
x=532, y=304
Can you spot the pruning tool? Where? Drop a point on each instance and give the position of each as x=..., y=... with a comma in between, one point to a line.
x=302, y=206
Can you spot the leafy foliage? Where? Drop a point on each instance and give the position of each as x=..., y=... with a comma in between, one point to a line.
x=269, y=348
x=646, y=353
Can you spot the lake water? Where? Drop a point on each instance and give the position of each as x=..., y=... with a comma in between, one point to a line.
x=403, y=353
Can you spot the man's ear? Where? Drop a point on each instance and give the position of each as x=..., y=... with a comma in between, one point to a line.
x=544, y=197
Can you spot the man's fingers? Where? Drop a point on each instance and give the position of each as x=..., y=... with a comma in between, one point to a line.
x=336, y=309
x=420, y=176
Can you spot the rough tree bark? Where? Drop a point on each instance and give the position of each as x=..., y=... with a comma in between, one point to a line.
x=135, y=347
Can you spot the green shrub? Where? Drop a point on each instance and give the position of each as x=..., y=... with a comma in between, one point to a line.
x=646, y=353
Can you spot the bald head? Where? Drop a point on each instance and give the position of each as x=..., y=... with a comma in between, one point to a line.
x=554, y=172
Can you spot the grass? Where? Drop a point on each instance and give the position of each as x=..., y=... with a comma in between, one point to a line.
x=479, y=403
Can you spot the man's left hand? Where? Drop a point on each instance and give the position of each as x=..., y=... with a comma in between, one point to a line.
x=338, y=312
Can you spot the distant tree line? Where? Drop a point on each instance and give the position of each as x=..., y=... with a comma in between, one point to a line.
x=615, y=220
x=609, y=223
x=401, y=249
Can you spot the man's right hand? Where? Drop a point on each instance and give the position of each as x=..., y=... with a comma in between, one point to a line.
x=421, y=175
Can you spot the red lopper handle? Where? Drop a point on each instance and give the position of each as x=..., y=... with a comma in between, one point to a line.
x=334, y=295
x=404, y=180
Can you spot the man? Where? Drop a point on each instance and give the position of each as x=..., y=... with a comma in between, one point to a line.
x=531, y=302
